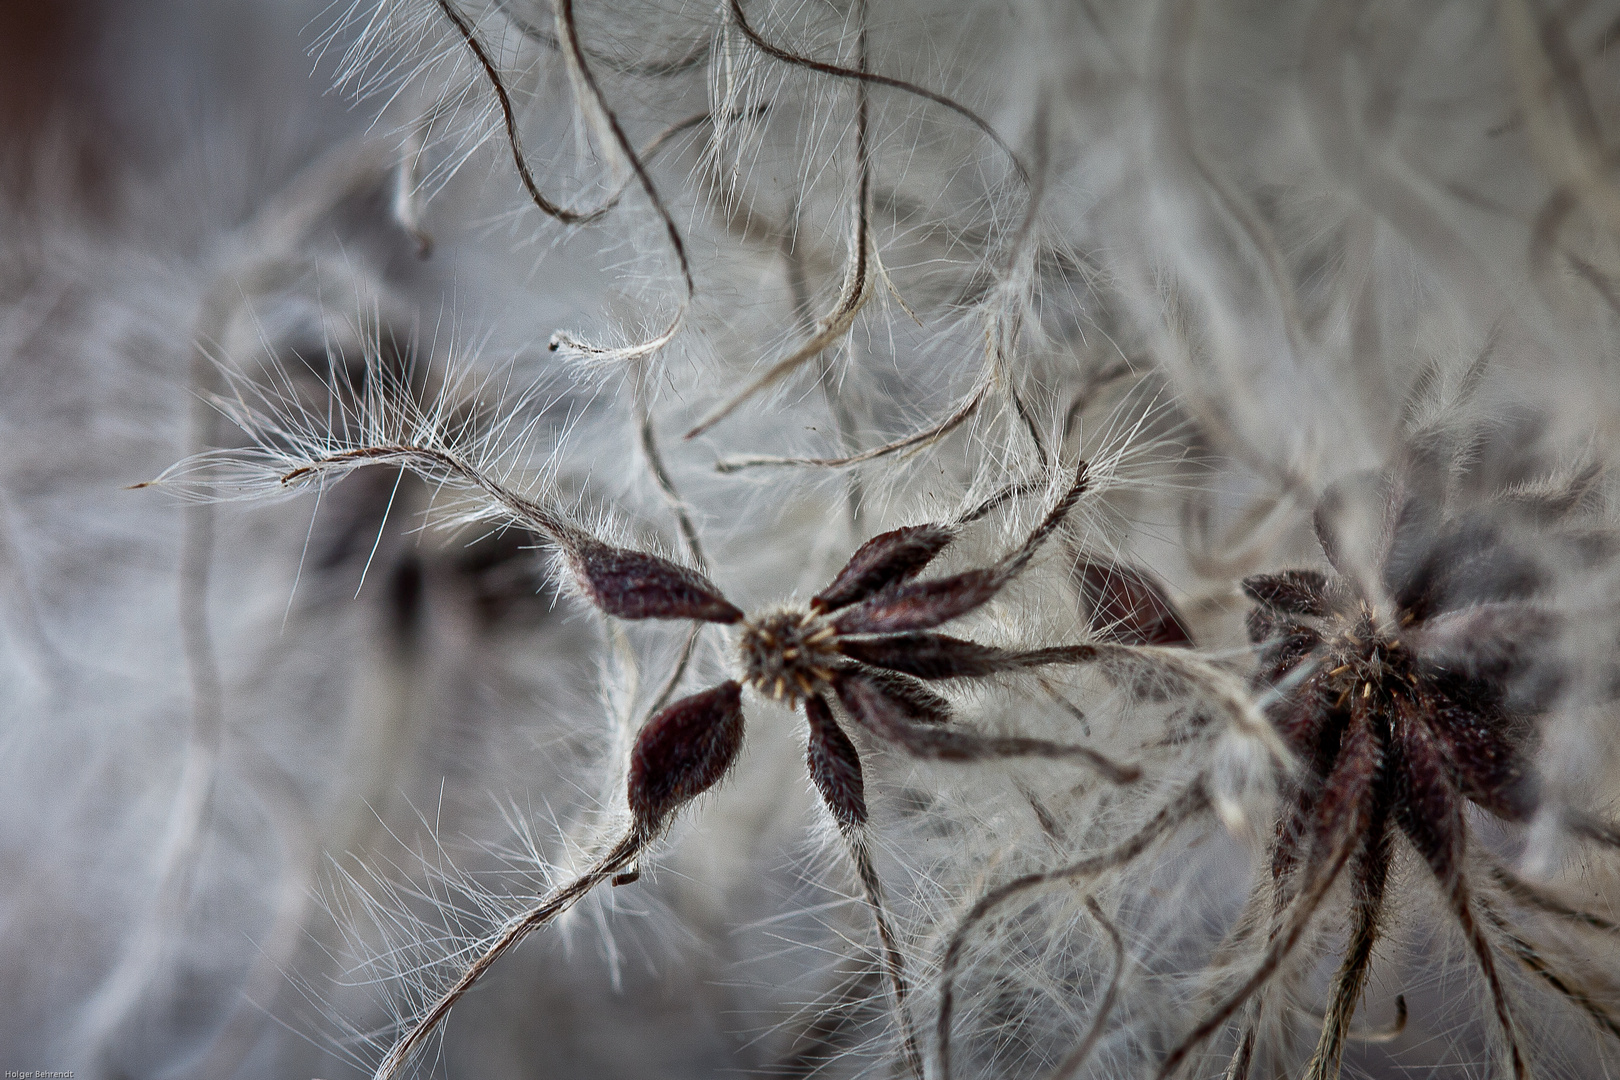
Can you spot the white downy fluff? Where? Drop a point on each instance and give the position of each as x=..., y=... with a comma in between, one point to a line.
x=289, y=732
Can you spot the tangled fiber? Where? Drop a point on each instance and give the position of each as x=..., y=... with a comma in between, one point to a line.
x=549, y=538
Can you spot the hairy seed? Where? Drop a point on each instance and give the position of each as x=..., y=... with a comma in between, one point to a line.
x=883, y=560
x=1124, y=605
x=922, y=605
x=1293, y=592
x=684, y=751
x=835, y=767
x=634, y=585
x=927, y=656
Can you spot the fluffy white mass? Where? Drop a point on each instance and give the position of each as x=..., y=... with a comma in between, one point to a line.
x=332, y=335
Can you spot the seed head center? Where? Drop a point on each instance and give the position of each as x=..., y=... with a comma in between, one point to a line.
x=788, y=654
x=1369, y=661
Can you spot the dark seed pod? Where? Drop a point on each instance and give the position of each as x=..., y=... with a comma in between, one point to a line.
x=1286, y=647
x=1486, y=764
x=1407, y=563
x=870, y=706
x=883, y=560
x=835, y=767
x=904, y=699
x=936, y=656
x=1471, y=562
x=1307, y=721
x=1427, y=809
x=1293, y=592
x=878, y=703
x=682, y=752
x=915, y=701
x=1126, y=606
x=1263, y=624
x=921, y=605
x=634, y=585
x=1496, y=644
x=927, y=656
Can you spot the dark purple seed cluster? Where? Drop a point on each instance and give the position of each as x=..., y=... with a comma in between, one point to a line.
x=861, y=647
x=788, y=654
x=1403, y=696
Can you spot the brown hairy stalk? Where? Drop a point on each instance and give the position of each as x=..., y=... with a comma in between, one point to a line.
x=861, y=75
x=1077, y=1057
x=1191, y=801
x=654, y=69
x=406, y=1048
x=999, y=345
x=857, y=285
x=574, y=55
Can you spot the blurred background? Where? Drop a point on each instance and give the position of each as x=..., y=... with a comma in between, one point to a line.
x=266, y=763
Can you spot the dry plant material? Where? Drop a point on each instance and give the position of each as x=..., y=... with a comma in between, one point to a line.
x=1405, y=694
x=1000, y=337
x=1398, y=700
x=514, y=142
x=1125, y=604
x=864, y=265
x=1188, y=803
x=574, y=54
x=579, y=66
x=861, y=652
x=739, y=18
x=858, y=272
